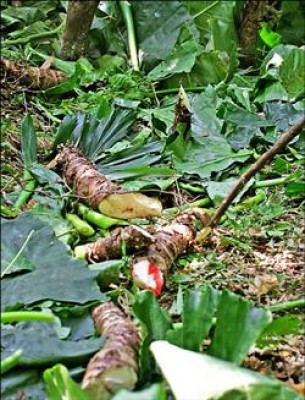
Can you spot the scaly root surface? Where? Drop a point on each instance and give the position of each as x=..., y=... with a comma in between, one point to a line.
x=115, y=366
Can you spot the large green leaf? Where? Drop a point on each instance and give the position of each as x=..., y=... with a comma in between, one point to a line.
x=56, y=275
x=211, y=66
x=213, y=154
x=182, y=58
x=215, y=21
x=291, y=22
x=238, y=326
x=292, y=73
x=158, y=24
x=41, y=346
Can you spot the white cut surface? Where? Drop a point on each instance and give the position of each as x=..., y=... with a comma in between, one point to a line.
x=130, y=205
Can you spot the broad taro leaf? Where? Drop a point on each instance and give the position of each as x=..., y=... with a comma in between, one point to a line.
x=211, y=155
x=18, y=239
x=291, y=22
x=59, y=385
x=215, y=21
x=199, y=376
x=181, y=59
x=17, y=379
x=217, y=191
x=41, y=346
x=28, y=141
x=55, y=275
x=238, y=326
x=283, y=115
x=158, y=24
x=292, y=73
x=244, y=125
x=211, y=67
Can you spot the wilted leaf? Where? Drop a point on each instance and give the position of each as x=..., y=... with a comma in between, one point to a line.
x=56, y=275
x=265, y=283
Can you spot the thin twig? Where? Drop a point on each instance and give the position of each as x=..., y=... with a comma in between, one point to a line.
x=285, y=138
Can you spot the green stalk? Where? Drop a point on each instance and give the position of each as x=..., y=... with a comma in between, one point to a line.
x=81, y=226
x=11, y=361
x=246, y=204
x=271, y=182
x=250, y=202
x=132, y=43
x=17, y=316
x=191, y=188
x=34, y=36
x=98, y=219
x=288, y=305
x=27, y=191
x=199, y=203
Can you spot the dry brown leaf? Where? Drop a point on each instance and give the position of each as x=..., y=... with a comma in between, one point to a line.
x=265, y=283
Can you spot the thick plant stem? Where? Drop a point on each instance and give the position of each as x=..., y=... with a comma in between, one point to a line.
x=132, y=43
x=17, y=316
x=98, y=192
x=170, y=242
x=11, y=361
x=27, y=191
x=79, y=18
x=265, y=158
x=288, y=305
x=115, y=366
x=110, y=247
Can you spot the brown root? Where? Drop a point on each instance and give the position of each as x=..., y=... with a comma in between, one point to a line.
x=33, y=77
x=115, y=366
x=170, y=242
x=98, y=192
x=110, y=247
